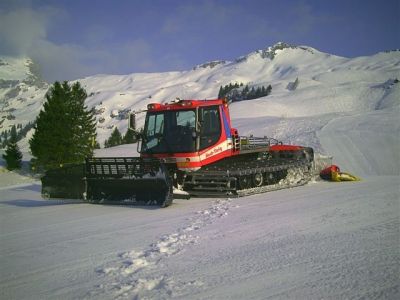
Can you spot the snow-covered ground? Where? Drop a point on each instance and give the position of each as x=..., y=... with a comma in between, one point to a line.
x=322, y=240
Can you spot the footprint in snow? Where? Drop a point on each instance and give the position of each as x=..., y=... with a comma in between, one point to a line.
x=131, y=276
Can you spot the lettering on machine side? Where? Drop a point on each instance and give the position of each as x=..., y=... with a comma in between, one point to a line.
x=213, y=151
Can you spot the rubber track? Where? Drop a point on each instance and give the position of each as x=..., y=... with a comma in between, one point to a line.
x=279, y=186
x=227, y=172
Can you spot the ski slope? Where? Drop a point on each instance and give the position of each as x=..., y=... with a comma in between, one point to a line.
x=322, y=240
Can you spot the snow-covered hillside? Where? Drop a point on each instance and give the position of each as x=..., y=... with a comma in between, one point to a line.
x=319, y=241
x=327, y=86
x=21, y=92
x=364, y=92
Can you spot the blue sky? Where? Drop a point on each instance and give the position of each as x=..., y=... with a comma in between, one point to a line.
x=76, y=38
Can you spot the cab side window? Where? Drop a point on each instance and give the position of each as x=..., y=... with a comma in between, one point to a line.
x=211, y=126
x=155, y=125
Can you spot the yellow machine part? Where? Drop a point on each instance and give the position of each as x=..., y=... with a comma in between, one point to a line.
x=342, y=176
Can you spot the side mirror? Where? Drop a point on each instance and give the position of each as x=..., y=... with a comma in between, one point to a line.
x=139, y=136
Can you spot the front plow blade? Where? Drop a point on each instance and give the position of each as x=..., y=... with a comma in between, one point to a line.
x=129, y=180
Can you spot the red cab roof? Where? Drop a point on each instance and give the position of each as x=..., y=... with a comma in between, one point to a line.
x=184, y=104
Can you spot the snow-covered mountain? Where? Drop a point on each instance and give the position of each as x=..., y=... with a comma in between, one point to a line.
x=322, y=240
x=327, y=84
x=310, y=89
x=22, y=92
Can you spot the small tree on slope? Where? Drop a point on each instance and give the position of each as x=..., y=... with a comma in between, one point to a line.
x=114, y=140
x=129, y=137
x=13, y=155
x=65, y=131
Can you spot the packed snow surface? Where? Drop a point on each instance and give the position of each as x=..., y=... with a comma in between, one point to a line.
x=319, y=241
x=323, y=240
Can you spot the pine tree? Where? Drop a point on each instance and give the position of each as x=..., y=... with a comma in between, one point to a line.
x=130, y=137
x=245, y=92
x=65, y=131
x=220, y=93
x=263, y=91
x=258, y=93
x=269, y=90
x=252, y=93
x=13, y=155
x=83, y=124
x=114, y=140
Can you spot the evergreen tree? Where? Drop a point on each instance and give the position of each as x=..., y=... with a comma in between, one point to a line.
x=13, y=155
x=65, y=131
x=220, y=93
x=24, y=130
x=4, y=139
x=269, y=90
x=252, y=93
x=97, y=145
x=258, y=93
x=114, y=140
x=245, y=92
x=130, y=137
x=13, y=134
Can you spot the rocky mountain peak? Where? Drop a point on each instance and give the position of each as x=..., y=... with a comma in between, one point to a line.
x=210, y=64
x=271, y=51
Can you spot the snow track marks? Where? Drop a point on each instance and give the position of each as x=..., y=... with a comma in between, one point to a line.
x=133, y=274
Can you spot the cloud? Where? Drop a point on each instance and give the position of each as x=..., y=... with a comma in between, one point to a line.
x=24, y=32
x=71, y=61
x=60, y=62
x=19, y=29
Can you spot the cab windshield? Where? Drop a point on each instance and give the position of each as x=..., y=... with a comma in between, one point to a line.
x=175, y=131
x=170, y=132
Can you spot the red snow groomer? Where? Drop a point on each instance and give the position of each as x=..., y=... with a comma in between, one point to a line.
x=190, y=145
